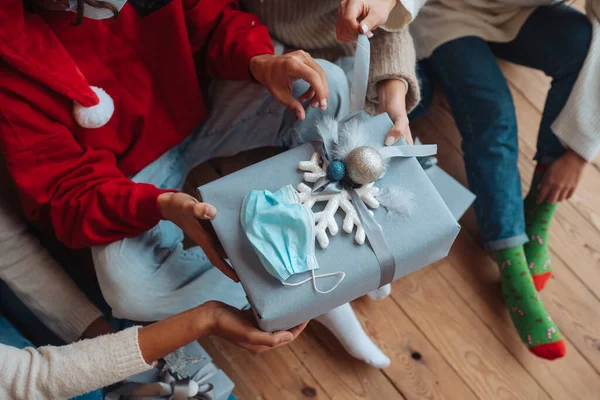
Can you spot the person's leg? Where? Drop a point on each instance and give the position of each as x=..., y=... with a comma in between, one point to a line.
x=556, y=40
x=346, y=327
x=258, y=132
x=151, y=276
x=423, y=75
x=484, y=112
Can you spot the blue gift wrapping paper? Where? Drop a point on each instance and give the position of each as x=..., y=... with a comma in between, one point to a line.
x=416, y=241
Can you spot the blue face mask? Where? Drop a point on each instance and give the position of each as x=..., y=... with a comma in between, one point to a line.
x=282, y=233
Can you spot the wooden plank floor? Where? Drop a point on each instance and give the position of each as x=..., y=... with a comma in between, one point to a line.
x=445, y=327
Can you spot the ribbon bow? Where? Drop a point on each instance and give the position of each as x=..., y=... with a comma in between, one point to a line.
x=170, y=387
x=373, y=231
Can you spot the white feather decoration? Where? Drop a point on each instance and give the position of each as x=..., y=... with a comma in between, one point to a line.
x=328, y=125
x=353, y=135
x=398, y=201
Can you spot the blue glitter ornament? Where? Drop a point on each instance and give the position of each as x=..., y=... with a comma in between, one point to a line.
x=336, y=171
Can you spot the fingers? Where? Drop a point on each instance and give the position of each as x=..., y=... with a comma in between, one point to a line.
x=312, y=73
x=369, y=24
x=220, y=263
x=323, y=78
x=257, y=337
x=408, y=136
x=207, y=226
x=308, y=95
x=202, y=239
x=554, y=195
x=570, y=194
x=289, y=101
x=211, y=246
x=544, y=191
x=347, y=26
x=297, y=330
x=204, y=210
x=400, y=129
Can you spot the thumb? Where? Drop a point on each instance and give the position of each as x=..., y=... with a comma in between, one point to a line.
x=396, y=133
x=204, y=211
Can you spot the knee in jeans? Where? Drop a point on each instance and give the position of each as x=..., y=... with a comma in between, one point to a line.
x=339, y=90
x=124, y=284
x=492, y=124
x=133, y=306
x=580, y=35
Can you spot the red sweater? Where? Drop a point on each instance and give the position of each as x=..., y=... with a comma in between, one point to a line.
x=155, y=68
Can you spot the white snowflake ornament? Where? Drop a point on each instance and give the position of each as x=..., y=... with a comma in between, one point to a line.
x=314, y=169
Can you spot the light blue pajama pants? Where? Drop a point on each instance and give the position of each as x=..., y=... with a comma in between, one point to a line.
x=151, y=276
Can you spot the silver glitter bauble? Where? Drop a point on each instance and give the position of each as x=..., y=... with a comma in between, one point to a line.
x=364, y=165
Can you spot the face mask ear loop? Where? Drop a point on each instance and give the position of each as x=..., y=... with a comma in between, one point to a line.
x=314, y=279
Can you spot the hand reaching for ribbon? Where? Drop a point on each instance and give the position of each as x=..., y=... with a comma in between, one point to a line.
x=392, y=95
x=188, y=213
x=277, y=73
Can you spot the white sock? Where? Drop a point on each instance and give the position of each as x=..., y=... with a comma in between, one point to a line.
x=344, y=325
x=381, y=293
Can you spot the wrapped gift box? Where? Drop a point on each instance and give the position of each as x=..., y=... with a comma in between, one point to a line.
x=416, y=241
x=457, y=197
x=196, y=359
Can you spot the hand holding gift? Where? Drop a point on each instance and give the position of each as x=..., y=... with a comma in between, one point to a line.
x=273, y=249
x=187, y=213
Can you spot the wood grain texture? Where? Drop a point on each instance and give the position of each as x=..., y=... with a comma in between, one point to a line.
x=567, y=226
x=458, y=334
x=417, y=369
x=445, y=328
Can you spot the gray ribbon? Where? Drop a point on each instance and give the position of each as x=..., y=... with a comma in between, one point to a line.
x=373, y=230
x=379, y=244
x=360, y=74
x=426, y=161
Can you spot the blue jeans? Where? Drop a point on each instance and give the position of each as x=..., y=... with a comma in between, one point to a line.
x=151, y=276
x=10, y=336
x=555, y=40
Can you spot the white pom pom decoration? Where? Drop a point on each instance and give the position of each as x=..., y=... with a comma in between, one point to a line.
x=95, y=116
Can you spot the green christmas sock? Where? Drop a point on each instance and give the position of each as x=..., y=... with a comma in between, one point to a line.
x=537, y=221
x=534, y=325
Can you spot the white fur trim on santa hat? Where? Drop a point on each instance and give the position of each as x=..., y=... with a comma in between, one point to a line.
x=95, y=116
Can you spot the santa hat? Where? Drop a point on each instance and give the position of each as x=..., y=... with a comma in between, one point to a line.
x=30, y=46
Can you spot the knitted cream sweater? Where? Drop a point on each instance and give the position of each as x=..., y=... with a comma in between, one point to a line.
x=56, y=372
x=440, y=21
x=310, y=25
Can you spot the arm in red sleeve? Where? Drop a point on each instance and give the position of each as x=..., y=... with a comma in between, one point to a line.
x=89, y=200
x=229, y=37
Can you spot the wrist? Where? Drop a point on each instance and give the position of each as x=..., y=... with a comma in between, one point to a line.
x=97, y=328
x=572, y=155
x=392, y=98
x=388, y=86
x=257, y=64
x=206, y=318
x=163, y=201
